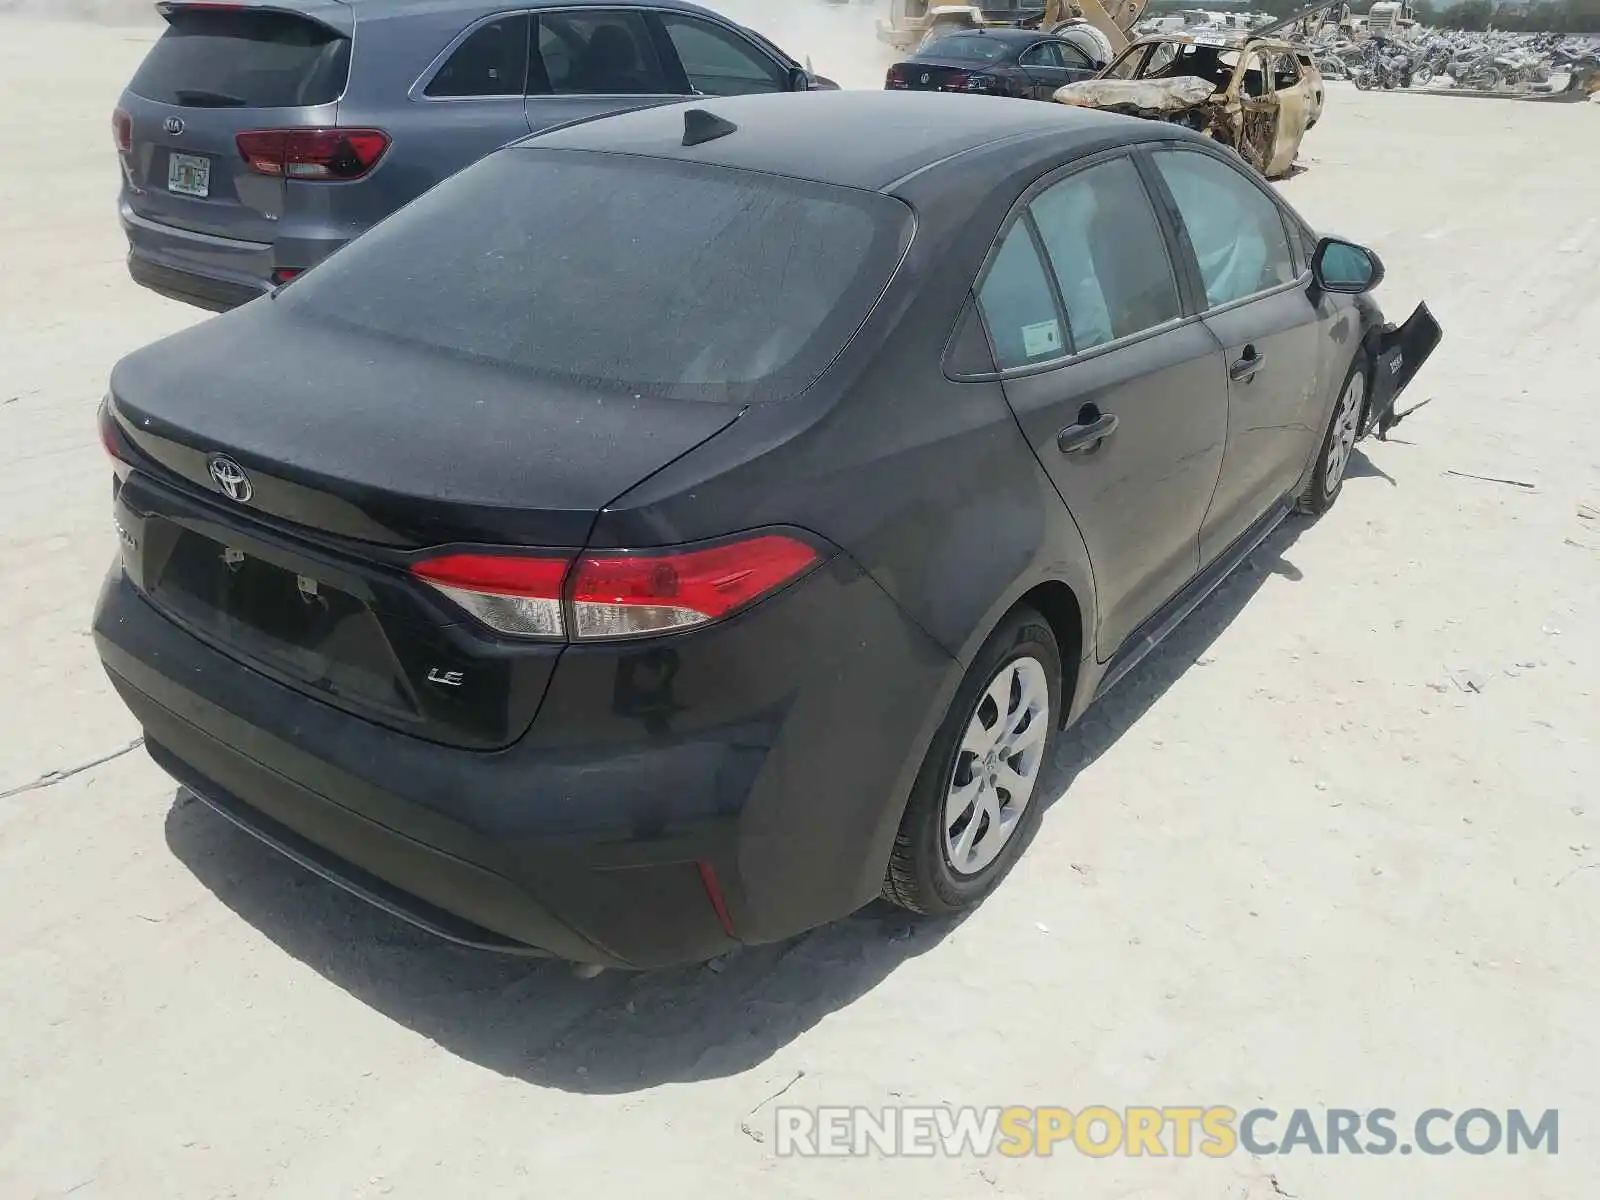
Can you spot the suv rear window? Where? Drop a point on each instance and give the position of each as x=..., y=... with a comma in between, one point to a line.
x=623, y=272
x=216, y=58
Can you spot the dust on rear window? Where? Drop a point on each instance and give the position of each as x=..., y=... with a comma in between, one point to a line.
x=221, y=59
x=620, y=271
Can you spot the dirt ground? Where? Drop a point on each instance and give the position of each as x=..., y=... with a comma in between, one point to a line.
x=1333, y=846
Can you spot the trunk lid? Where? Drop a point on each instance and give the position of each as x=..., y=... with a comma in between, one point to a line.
x=215, y=72
x=936, y=75
x=369, y=439
x=357, y=455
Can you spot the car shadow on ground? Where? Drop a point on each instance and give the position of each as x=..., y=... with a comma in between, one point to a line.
x=1119, y=710
x=536, y=1021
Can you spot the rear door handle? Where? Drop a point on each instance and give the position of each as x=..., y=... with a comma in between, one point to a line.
x=1093, y=428
x=1246, y=365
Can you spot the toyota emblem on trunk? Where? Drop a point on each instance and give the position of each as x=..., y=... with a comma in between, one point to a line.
x=230, y=477
x=173, y=125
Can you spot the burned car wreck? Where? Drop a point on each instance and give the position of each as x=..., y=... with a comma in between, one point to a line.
x=1255, y=94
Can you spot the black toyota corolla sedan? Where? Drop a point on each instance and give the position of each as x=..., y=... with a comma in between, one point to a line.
x=680, y=528
x=1023, y=63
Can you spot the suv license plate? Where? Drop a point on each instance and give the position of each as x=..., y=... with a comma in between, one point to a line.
x=189, y=175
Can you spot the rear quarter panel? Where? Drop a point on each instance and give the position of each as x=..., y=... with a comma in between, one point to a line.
x=928, y=483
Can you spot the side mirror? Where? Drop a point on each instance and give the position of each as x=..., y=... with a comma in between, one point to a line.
x=799, y=80
x=1345, y=267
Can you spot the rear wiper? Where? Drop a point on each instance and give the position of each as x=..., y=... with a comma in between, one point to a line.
x=199, y=98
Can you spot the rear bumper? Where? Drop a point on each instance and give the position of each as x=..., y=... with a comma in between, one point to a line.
x=189, y=287
x=600, y=836
x=197, y=268
x=207, y=270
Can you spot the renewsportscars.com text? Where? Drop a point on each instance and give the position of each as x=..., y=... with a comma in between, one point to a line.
x=1159, y=1131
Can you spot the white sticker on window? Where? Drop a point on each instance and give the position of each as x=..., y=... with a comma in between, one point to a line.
x=1041, y=339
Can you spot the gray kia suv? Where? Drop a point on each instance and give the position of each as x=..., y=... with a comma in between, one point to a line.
x=257, y=137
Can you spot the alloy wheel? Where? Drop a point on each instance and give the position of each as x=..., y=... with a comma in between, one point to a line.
x=1346, y=420
x=997, y=765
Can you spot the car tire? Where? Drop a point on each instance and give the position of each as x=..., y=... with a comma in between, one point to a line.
x=941, y=863
x=1339, y=442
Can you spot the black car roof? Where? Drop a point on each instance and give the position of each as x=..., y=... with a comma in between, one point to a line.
x=856, y=139
x=1005, y=36
x=474, y=7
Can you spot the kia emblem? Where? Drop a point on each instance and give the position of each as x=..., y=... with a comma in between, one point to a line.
x=173, y=125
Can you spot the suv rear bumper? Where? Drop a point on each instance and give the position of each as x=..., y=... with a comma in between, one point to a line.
x=202, y=269
x=606, y=835
x=188, y=287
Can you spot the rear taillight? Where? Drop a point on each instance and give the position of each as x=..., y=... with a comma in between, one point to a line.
x=624, y=595
x=895, y=78
x=284, y=274
x=617, y=594
x=313, y=154
x=122, y=131
x=508, y=593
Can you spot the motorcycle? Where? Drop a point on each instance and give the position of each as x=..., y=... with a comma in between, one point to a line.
x=1386, y=71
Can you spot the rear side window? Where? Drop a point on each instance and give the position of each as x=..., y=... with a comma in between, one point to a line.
x=1024, y=323
x=621, y=272
x=597, y=52
x=493, y=61
x=1045, y=54
x=220, y=58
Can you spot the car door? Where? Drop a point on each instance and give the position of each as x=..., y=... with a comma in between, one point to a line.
x=1256, y=294
x=589, y=61
x=1294, y=111
x=471, y=103
x=1121, y=396
x=1258, y=137
x=719, y=60
x=1051, y=64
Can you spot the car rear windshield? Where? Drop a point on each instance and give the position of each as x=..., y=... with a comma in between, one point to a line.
x=224, y=58
x=622, y=272
x=966, y=47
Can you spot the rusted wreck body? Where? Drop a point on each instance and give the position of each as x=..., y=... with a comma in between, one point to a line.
x=1256, y=94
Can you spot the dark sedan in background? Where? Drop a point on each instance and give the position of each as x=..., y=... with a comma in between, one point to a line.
x=1023, y=63
x=680, y=528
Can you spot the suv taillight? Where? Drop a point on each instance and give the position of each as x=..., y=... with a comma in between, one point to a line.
x=313, y=154
x=617, y=594
x=122, y=131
